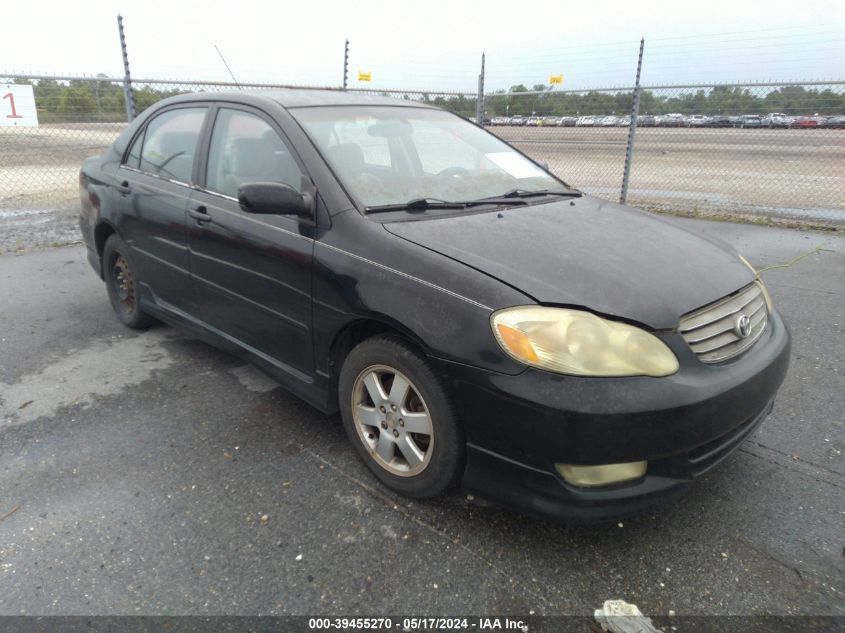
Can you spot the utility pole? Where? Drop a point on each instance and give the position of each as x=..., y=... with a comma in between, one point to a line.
x=479, y=103
x=128, y=93
x=632, y=129
x=345, y=64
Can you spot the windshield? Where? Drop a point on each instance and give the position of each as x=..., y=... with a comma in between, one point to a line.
x=391, y=155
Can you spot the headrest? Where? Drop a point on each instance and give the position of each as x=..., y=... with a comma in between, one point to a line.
x=253, y=157
x=172, y=143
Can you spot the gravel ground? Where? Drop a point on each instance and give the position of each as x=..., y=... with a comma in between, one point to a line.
x=779, y=173
x=147, y=473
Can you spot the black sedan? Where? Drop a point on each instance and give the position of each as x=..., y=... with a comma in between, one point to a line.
x=474, y=319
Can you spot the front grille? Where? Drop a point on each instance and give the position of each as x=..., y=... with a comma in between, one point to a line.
x=713, y=332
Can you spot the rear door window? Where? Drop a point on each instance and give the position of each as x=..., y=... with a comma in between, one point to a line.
x=170, y=144
x=133, y=159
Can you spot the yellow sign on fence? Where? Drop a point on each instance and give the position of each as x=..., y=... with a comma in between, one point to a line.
x=555, y=79
x=365, y=76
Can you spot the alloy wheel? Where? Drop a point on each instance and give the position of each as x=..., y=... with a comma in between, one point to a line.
x=392, y=420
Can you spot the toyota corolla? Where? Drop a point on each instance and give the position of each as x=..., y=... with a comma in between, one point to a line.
x=473, y=318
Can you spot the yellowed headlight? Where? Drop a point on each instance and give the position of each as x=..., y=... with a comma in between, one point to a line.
x=580, y=343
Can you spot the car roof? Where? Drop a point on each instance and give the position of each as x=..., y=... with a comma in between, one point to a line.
x=301, y=97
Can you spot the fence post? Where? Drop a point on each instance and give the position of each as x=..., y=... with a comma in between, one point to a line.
x=479, y=101
x=128, y=93
x=632, y=129
x=345, y=63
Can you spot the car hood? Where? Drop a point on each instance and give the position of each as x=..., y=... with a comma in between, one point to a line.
x=605, y=257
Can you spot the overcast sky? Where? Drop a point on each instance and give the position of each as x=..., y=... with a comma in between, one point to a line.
x=432, y=44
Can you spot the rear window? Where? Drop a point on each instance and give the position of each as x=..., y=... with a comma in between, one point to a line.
x=170, y=144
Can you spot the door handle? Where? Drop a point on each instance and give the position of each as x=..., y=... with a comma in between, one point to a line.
x=200, y=214
x=123, y=189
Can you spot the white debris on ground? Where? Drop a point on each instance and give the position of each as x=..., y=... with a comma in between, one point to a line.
x=618, y=616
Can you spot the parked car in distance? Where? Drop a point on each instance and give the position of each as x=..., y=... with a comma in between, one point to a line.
x=550, y=121
x=646, y=120
x=775, y=119
x=472, y=318
x=568, y=121
x=803, y=122
x=533, y=121
x=837, y=122
x=671, y=120
x=517, y=120
x=498, y=120
x=587, y=121
x=749, y=120
x=720, y=120
x=607, y=121
x=697, y=120
x=623, y=121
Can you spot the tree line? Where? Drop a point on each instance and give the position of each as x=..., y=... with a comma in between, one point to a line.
x=103, y=100
x=89, y=100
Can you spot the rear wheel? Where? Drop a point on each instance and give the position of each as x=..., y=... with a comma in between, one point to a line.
x=400, y=418
x=122, y=284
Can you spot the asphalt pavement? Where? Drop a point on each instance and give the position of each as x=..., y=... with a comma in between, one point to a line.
x=148, y=473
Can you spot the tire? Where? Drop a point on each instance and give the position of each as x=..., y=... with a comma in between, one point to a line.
x=414, y=464
x=121, y=279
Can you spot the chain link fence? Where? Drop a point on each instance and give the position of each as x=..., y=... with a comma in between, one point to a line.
x=80, y=117
x=772, y=150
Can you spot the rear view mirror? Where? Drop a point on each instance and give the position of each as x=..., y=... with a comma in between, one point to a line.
x=390, y=128
x=274, y=198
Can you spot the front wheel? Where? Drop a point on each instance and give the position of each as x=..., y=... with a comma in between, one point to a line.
x=122, y=284
x=400, y=418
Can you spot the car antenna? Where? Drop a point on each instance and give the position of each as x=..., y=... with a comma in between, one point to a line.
x=227, y=67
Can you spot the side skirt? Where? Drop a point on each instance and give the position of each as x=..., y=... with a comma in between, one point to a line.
x=314, y=389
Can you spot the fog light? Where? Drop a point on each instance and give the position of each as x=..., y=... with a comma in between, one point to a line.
x=602, y=474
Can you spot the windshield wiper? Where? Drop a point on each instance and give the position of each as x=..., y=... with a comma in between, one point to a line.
x=525, y=193
x=514, y=196
x=417, y=204
x=423, y=204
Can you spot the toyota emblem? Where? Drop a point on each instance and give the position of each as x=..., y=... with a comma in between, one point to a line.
x=743, y=326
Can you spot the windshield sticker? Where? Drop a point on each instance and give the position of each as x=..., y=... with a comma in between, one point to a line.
x=515, y=165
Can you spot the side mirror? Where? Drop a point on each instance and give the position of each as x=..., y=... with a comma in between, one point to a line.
x=274, y=198
x=543, y=164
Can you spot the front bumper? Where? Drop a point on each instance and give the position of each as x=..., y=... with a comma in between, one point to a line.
x=518, y=427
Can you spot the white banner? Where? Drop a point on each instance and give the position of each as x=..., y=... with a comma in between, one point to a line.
x=17, y=106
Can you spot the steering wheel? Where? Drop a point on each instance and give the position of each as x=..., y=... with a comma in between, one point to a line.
x=453, y=172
